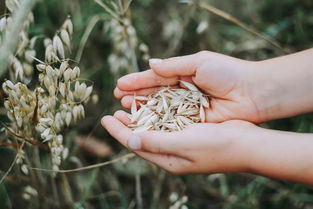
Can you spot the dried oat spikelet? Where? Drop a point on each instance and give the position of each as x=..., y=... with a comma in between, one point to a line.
x=20, y=68
x=56, y=103
x=65, y=94
x=124, y=38
x=56, y=48
x=169, y=109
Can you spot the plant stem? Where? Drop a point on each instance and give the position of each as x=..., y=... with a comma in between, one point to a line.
x=237, y=22
x=11, y=35
x=11, y=167
x=94, y=20
x=108, y=10
x=158, y=189
x=139, y=201
x=31, y=141
x=127, y=156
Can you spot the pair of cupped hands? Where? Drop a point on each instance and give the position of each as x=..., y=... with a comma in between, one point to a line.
x=241, y=96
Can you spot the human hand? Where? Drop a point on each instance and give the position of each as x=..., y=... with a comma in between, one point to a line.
x=200, y=148
x=232, y=146
x=228, y=80
x=239, y=89
x=252, y=91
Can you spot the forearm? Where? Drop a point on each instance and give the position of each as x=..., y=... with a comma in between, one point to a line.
x=285, y=85
x=278, y=154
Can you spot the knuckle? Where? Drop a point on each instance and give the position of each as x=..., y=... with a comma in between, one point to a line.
x=202, y=66
x=117, y=113
x=149, y=146
x=202, y=69
x=203, y=54
x=144, y=144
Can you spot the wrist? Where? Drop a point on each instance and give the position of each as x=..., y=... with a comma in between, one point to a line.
x=249, y=143
x=281, y=87
x=241, y=147
x=278, y=154
x=266, y=92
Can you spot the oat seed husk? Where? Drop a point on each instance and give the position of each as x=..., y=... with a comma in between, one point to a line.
x=170, y=109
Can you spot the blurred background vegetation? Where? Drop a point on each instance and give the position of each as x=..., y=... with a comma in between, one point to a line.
x=108, y=47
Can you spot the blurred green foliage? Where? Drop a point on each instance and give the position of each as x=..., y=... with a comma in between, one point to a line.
x=168, y=28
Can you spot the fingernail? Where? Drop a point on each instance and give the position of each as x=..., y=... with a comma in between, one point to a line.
x=103, y=120
x=134, y=143
x=155, y=61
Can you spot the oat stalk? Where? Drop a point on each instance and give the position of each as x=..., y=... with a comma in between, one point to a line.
x=24, y=139
x=139, y=199
x=108, y=10
x=92, y=23
x=12, y=164
x=239, y=23
x=124, y=157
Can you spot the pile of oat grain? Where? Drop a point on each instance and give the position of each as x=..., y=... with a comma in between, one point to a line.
x=169, y=109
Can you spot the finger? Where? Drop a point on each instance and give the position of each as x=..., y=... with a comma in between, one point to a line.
x=158, y=142
x=178, y=66
x=141, y=92
x=116, y=129
x=126, y=101
x=123, y=116
x=148, y=141
x=120, y=132
x=142, y=80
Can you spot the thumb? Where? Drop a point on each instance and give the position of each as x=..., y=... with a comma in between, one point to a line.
x=177, y=66
x=155, y=142
x=219, y=74
x=215, y=73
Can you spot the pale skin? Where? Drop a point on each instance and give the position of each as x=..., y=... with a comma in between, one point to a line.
x=243, y=93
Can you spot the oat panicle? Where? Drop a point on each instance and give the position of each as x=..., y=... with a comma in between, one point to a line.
x=38, y=116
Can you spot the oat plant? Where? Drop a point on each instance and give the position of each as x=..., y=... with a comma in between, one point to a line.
x=38, y=116
x=16, y=49
x=126, y=45
x=40, y=113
